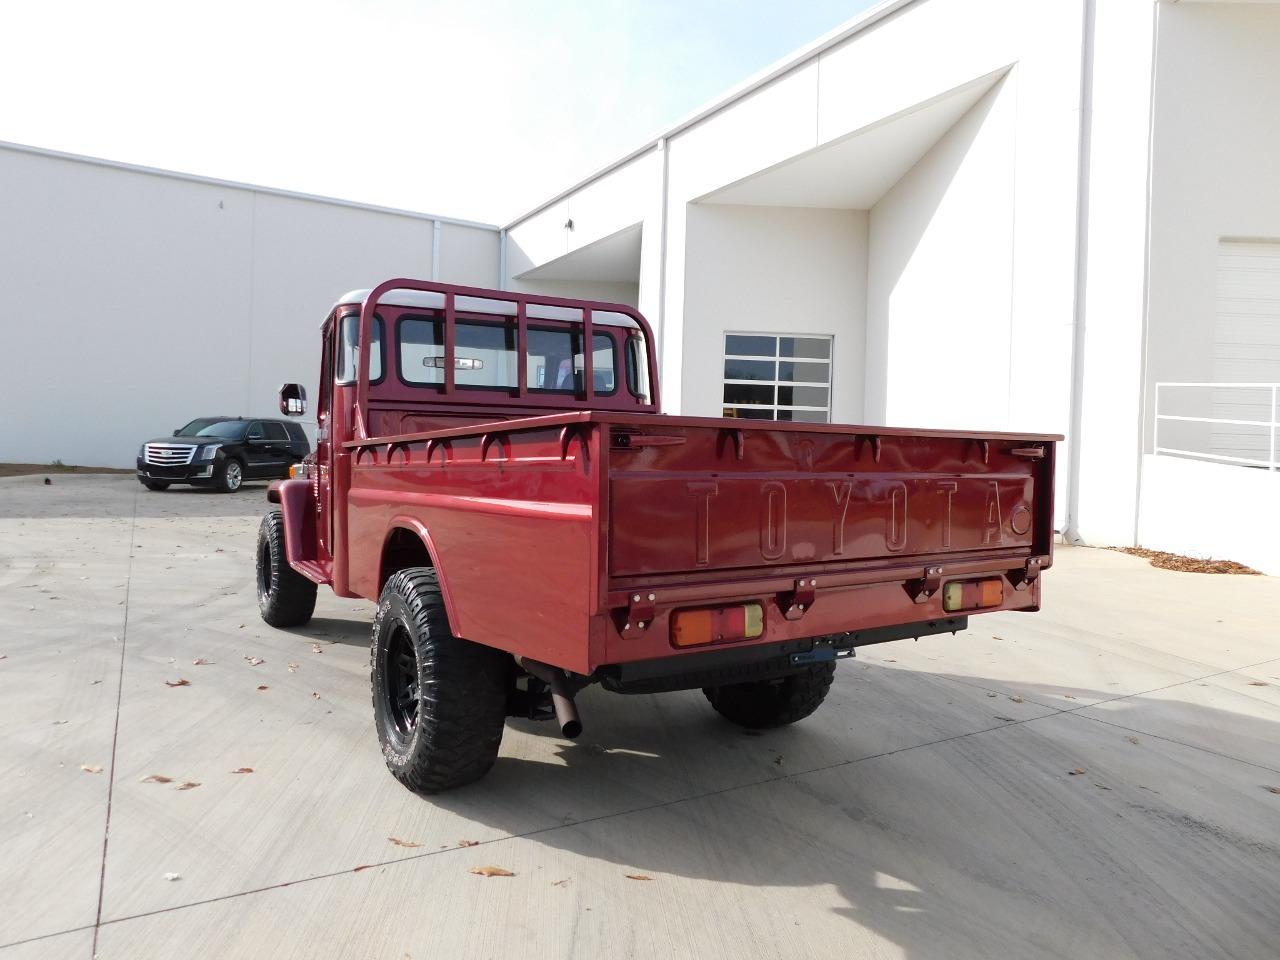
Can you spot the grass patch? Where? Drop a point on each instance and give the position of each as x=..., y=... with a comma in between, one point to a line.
x=49, y=469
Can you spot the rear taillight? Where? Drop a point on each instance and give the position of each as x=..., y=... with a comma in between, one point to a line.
x=692, y=628
x=972, y=594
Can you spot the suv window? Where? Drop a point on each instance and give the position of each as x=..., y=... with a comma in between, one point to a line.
x=276, y=432
x=295, y=432
x=256, y=432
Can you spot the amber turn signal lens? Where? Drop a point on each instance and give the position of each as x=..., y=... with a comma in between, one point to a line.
x=692, y=628
x=972, y=594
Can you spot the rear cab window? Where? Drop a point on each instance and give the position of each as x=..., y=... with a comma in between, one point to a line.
x=486, y=356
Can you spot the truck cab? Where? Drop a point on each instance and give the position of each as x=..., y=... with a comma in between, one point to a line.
x=495, y=472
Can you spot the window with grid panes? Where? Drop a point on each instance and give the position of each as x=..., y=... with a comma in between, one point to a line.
x=775, y=377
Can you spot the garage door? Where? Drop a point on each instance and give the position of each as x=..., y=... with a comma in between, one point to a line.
x=1246, y=343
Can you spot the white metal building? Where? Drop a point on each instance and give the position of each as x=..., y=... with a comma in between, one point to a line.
x=954, y=213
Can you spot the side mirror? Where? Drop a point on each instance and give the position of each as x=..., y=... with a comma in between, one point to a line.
x=293, y=399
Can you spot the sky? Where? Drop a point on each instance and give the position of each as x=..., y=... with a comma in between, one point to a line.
x=477, y=110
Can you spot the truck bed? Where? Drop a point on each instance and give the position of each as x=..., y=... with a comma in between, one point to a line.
x=551, y=533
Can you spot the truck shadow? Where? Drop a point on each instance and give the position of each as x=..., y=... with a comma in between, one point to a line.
x=354, y=633
x=965, y=846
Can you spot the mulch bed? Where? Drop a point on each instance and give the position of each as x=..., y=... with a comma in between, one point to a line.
x=1172, y=561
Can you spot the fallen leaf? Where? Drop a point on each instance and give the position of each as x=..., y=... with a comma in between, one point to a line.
x=58, y=723
x=491, y=872
x=187, y=785
x=315, y=695
x=990, y=694
x=994, y=637
x=1006, y=719
x=468, y=843
x=243, y=770
x=363, y=866
x=156, y=778
x=403, y=843
x=201, y=662
x=241, y=627
x=91, y=768
x=560, y=883
x=254, y=661
x=1076, y=772
x=1070, y=696
x=263, y=686
x=887, y=661
x=1016, y=699
x=173, y=876
x=180, y=682
x=1101, y=787
x=293, y=668
x=315, y=648
x=1133, y=740
x=1252, y=683
x=638, y=876
x=1272, y=789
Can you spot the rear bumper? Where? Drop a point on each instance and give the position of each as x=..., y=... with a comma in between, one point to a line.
x=864, y=606
x=715, y=667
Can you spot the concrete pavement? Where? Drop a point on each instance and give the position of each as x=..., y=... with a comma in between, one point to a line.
x=928, y=810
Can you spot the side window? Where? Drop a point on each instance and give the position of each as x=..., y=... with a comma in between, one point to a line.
x=638, y=369
x=276, y=432
x=256, y=432
x=349, y=356
x=295, y=433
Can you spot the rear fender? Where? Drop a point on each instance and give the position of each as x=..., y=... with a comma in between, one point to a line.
x=419, y=530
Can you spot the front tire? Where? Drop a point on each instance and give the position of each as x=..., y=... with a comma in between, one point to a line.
x=229, y=475
x=773, y=703
x=285, y=597
x=154, y=484
x=439, y=702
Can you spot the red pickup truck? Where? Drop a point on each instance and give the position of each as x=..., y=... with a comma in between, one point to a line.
x=494, y=471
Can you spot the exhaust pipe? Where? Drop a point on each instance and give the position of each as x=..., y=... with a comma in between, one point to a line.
x=561, y=698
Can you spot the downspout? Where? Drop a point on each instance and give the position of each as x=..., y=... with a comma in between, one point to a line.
x=1071, y=532
x=435, y=249
x=662, y=261
x=502, y=259
x=1146, y=270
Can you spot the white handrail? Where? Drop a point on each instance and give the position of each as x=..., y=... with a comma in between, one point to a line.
x=1272, y=423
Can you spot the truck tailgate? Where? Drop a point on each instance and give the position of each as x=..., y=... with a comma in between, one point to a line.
x=689, y=498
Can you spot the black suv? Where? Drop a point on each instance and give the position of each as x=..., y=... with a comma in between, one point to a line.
x=222, y=452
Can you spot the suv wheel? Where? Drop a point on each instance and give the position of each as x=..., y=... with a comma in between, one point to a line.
x=229, y=475
x=773, y=703
x=285, y=597
x=439, y=702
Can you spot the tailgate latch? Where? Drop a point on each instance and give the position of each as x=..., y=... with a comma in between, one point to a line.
x=799, y=600
x=639, y=616
x=924, y=588
x=1021, y=579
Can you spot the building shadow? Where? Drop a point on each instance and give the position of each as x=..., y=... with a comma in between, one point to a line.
x=971, y=846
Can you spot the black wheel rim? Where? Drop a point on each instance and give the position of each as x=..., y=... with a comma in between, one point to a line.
x=264, y=570
x=400, y=683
